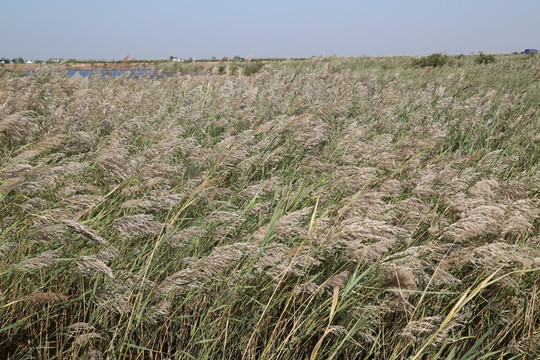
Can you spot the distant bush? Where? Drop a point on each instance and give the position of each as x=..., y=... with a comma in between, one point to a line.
x=484, y=58
x=253, y=68
x=431, y=60
x=227, y=68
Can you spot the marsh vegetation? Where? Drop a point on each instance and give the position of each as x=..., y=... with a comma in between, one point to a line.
x=325, y=209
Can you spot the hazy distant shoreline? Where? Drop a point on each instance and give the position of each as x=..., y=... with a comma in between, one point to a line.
x=85, y=66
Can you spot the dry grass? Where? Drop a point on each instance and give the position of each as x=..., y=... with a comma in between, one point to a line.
x=328, y=208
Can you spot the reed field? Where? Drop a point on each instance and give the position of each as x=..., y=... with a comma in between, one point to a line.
x=330, y=208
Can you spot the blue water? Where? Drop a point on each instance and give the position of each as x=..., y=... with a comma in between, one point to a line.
x=112, y=73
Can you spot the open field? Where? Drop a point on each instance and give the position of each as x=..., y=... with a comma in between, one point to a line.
x=321, y=209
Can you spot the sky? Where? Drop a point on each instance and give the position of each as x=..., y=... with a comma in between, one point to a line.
x=157, y=29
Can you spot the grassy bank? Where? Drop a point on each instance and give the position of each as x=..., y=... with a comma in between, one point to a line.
x=320, y=209
x=224, y=67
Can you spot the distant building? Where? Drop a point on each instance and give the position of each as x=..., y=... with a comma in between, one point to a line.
x=530, y=51
x=28, y=61
x=4, y=61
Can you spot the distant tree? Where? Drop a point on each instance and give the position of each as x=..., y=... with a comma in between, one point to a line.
x=171, y=58
x=484, y=58
x=434, y=60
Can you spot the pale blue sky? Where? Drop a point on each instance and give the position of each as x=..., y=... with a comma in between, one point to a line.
x=157, y=29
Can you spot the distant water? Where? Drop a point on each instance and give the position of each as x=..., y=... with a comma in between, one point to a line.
x=112, y=73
